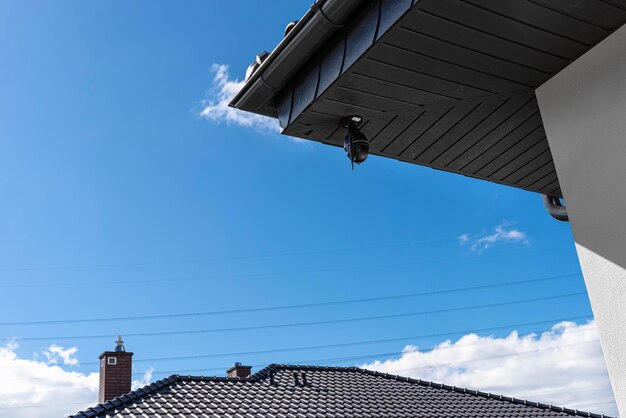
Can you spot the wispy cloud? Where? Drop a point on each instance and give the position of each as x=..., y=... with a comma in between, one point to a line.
x=56, y=353
x=501, y=233
x=563, y=366
x=216, y=108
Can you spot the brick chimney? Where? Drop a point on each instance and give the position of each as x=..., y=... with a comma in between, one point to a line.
x=239, y=371
x=115, y=372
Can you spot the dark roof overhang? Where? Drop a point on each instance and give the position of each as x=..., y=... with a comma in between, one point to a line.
x=448, y=84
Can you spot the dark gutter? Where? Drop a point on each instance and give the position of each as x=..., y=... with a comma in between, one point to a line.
x=323, y=19
x=555, y=208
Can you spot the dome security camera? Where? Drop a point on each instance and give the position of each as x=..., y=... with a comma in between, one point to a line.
x=355, y=143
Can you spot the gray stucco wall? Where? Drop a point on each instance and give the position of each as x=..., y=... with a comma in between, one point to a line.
x=584, y=113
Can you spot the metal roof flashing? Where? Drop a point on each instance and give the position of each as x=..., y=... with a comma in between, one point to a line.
x=322, y=19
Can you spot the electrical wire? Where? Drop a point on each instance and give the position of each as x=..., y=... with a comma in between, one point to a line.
x=276, y=275
x=242, y=257
x=394, y=353
x=287, y=307
x=389, y=353
x=430, y=366
x=207, y=259
x=356, y=343
x=366, y=356
x=299, y=324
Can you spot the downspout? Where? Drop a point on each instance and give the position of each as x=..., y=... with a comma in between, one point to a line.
x=555, y=208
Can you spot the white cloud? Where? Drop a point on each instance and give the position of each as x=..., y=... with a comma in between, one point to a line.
x=216, y=106
x=40, y=389
x=464, y=239
x=146, y=379
x=563, y=366
x=501, y=233
x=55, y=353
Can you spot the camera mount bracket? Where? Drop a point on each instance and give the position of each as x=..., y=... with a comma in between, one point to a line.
x=351, y=121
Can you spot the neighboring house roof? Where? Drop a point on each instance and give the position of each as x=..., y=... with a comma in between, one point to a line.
x=318, y=391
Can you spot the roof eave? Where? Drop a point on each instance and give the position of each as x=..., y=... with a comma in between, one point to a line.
x=322, y=19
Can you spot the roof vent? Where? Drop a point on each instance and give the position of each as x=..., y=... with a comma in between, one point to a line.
x=258, y=60
x=119, y=345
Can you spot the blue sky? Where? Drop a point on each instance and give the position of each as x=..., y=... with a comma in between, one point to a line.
x=119, y=199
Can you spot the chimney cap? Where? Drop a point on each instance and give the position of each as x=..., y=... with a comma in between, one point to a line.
x=119, y=345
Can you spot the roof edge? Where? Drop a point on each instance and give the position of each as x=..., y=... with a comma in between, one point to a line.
x=322, y=19
x=573, y=412
x=126, y=398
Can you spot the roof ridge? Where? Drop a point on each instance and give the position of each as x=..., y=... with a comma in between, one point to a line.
x=264, y=372
x=126, y=398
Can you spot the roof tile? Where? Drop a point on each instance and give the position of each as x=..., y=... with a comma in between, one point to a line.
x=330, y=391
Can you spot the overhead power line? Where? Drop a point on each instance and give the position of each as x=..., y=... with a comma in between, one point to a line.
x=394, y=353
x=366, y=356
x=356, y=343
x=287, y=307
x=299, y=324
x=275, y=275
x=430, y=366
x=207, y=259
x=426, y=349
x=241, y=257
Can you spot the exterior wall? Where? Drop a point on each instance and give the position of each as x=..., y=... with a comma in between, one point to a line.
x=115, y=379
x=584, y=113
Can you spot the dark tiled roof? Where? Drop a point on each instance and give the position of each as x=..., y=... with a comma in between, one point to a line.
x=328, y=391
